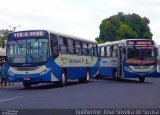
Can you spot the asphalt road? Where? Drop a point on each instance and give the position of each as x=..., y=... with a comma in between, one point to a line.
x=98, y=94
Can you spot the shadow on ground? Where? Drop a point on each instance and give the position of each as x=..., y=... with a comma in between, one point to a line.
x=52, y=85
x=127, y=80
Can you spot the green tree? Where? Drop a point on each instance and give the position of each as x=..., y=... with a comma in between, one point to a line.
x=3, y=35
x=122, y=26
x=1, y=41
x=99, y=40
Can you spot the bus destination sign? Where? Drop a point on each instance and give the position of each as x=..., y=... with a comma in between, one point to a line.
x=140, y=42
x=139, y=61
x=29, y=34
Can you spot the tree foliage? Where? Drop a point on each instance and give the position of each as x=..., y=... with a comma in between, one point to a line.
x=123, y=26
x=3, y=35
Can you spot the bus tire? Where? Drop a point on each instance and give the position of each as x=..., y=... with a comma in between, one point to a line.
x=141, y=79
x=63, y=81
x=27, y=85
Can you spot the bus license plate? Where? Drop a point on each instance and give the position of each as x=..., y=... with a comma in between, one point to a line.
x=26, y=78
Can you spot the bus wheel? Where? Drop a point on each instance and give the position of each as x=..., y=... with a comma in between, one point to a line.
x=27, y=85
x=141, y=79
x=63, y=81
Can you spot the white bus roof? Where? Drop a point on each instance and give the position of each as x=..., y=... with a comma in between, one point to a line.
x=60, y=34
x=70, y=36
x=121, y=41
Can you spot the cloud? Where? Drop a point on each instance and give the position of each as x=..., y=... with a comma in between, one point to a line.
x=83, y=32
x=23, y=11
x=79, y=17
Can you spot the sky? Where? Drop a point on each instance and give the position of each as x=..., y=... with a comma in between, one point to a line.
x=74, y=17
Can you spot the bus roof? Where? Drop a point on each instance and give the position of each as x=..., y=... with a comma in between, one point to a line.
x=70, y=36
x=60, y=34
x=122, y=41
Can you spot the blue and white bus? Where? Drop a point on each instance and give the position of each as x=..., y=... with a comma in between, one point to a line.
x=40, y=56
x=132, y=58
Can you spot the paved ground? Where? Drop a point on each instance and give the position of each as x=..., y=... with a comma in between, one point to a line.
x=104, y=93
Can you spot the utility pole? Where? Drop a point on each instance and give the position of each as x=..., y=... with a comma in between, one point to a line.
x=14, y=27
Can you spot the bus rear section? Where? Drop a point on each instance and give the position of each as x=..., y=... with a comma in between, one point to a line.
x=133, y=58
x=39, y=56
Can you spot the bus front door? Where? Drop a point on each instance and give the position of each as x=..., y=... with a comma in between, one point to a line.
x=120, y=62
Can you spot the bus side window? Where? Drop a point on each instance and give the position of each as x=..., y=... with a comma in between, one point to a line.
x=95, y=50
x=84, y=48
x=54, y=45
x=114, y=51
x=108, y=51
x=62, y=44
x=90, y=49
x=102, y=51
x=78, y=49
x=70, y=43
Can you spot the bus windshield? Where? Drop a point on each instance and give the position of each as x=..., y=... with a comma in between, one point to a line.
x=27, y=51
x=141, y=55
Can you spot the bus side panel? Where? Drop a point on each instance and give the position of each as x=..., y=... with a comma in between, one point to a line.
x=107, y=65
x=106, y=71
x=94, y=69
x=76, y=72
x=79, y=72
x=55, y=69
x=76, y=66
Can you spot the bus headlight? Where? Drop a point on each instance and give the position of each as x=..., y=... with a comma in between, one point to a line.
x=45, y=71
x=11, y=73
x=128, y=69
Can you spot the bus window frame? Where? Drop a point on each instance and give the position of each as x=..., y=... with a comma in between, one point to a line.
x=83, y=48
x=70, y=46
x=114, y=51
x=80, y=44
x=109, y=51
x=90, y=50
x=104, y=54
x=54, y=39
x=62, y=46
x=95, y=50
